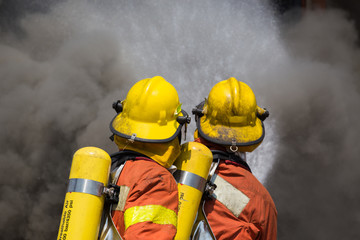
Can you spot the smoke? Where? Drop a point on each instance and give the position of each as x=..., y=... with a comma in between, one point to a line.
x=317, y=97
x=56, y=78
x=63, y=65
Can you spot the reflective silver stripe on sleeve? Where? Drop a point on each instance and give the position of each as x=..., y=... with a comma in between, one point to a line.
x=124, y=191
x=86, y=186
x=190, y=179
x=233, y=199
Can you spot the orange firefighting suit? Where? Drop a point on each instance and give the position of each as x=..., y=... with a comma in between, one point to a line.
x=148, y=201
x=249, y=212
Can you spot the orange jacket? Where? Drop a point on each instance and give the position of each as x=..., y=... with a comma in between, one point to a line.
x=257, y=215
x=148, y=202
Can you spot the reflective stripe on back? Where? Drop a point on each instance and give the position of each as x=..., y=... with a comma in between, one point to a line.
x=153, y=213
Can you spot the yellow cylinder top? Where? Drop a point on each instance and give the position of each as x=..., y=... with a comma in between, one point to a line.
x=91, y=163
x=194, y=150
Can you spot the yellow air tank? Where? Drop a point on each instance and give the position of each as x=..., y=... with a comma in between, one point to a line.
x=84, y=200
x=193, y=166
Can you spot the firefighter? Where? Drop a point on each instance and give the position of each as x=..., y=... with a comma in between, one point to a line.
x=230, y=123
x=147, y=131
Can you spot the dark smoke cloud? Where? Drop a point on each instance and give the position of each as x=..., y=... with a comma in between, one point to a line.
x=55, y=80
x=62, y=65
x=45, y=108
x=314, y=181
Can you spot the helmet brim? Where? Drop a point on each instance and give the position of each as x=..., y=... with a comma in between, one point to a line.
x=226, y=135
x=145, y=131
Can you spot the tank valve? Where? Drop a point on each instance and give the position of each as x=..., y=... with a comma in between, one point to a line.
x=111, y=193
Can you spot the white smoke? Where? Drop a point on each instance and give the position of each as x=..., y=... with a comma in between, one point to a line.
x=62, y=69
x=61, y=72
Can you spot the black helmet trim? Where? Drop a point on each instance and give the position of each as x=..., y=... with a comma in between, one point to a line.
x=137, y=139
x=199, y=109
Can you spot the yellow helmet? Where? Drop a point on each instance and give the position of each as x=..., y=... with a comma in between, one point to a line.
x=151, y=112
x=231, y=117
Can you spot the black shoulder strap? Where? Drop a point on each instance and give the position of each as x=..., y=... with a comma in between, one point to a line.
x=120, y=157
x=218, y=154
